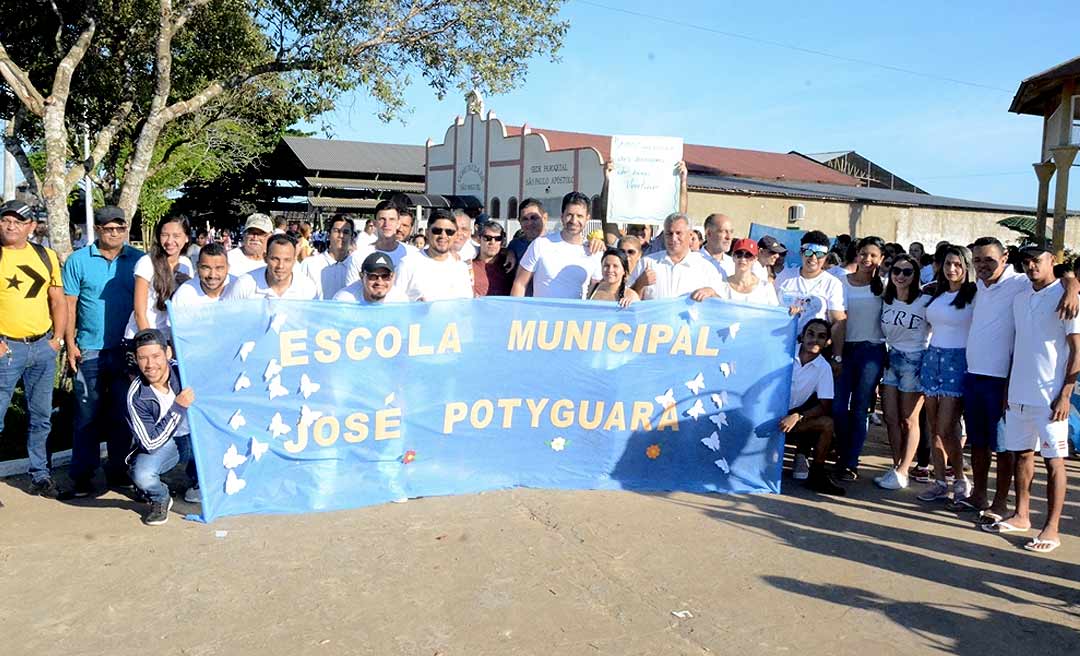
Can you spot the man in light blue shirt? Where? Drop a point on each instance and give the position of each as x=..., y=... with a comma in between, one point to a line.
x=99, y=284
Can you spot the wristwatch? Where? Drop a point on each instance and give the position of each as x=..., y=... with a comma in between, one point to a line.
x=837, y=359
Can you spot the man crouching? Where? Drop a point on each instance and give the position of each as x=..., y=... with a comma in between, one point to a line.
x=157, y=416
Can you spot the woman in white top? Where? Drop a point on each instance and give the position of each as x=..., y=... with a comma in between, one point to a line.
x=943, y=367
x=612, y=286
x=863, y=355
x=158, y=274
x=743, y=285
x=903, y=322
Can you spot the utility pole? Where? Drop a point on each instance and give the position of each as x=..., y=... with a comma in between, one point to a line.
x=9, y=169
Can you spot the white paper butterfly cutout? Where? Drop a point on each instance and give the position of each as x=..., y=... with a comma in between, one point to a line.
x=696, y=410
x=727, y=368
x=232, y=459
x=237, y=420
x=242, y=382
x=697, y=384
x=712, y=441
x=720, y=419
x=278, y=427
x=245, y=350
x=667, y=399
x=276, y=389
x=720, y=400
x=272, y=369
x=258, y=449
x=723, y=465
x=234, y=484
x=278, y=321
x=308, y=386
x=308, y=416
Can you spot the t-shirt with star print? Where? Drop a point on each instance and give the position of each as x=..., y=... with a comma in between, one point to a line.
x=24, y=291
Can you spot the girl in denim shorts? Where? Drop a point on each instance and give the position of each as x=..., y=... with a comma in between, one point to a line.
x=907, y=334
x=943, y=367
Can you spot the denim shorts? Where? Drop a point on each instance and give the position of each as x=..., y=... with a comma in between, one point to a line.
x=903, y=371
x=943, y=372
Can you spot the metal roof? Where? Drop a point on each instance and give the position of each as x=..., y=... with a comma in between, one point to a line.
x=357, y=156
x=1041, y=90
x=350, y=203
x=356, y=183
x=845, y=193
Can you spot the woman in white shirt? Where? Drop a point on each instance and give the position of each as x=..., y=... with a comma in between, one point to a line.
x=158, y=274
x=743, y=285
x=863, y=355
x=907, y=334
x=943, y=367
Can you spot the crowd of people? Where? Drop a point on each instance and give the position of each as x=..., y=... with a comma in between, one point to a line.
x=973, y=345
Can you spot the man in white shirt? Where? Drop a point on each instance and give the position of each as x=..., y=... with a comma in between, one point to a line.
x=813, y=293
x=463, y=246
x=771, y=256
x=328, y=269
x=211, y=280
x=1045, y=366
x=811, y=408
x=435, y=274
x=377, y=285
x=365, y=237
x=387, y=222
x=275, y=280
x=560, y=265
x=677, y=270
x=719, y=234
x=250, y=254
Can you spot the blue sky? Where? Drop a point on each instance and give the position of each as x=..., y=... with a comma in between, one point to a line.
x=629, y=74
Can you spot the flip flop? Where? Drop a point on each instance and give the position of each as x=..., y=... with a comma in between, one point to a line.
x=1003, y=527
x=1038, y=545
x=963, y=505
x=987, y=517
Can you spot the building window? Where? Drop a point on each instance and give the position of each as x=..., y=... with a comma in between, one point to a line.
x=511, y=208
x=495, y=208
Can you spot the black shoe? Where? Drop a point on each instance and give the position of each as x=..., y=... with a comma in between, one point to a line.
x=158, y=513
x=847, y=474
x=45, y=488
x=80, y=490
x=822, y=483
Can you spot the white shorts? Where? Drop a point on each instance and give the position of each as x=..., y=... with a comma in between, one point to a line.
x=1028, y=428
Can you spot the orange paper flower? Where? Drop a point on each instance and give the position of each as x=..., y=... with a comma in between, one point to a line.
x=653, y=452
x=409, y=456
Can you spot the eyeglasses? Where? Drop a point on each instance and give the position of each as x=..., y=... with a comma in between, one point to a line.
x=811, y=251
x=449, y=232
x=112, y=230
x=903, y=271
x=743, y=255
x=531, y=217
x=491, y=237
x=378, y=276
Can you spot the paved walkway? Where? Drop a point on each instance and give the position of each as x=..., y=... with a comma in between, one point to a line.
x=537, y=572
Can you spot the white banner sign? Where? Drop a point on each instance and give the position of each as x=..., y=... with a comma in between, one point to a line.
x=644, y=185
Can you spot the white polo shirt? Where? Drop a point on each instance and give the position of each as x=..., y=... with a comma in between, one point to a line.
x=191, y=293
x=725, y=264
x=420, y=278
x=814, y=377
x=560, y=269
x=327, y=273
x=253, y=285
x=1042, y=352
x=817, y=296
x=990, y=337
x=354, y=261
x=239, y=264
x=675, y=279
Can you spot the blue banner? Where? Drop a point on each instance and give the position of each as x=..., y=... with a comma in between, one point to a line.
x=321, y=405
x=1074, y=420
x=789, y=238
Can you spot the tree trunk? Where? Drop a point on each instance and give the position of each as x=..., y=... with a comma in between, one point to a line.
x=54, y=191
x=139, y=167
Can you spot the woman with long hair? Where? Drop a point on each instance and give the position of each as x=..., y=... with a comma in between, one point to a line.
x=944, y=365
x=743, y=285
x=903, y=322
x=614, y=270
x=158, y=274
x=303, y=244
x=863, y=356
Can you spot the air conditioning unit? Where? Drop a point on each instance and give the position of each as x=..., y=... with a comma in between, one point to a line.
x=796, y=213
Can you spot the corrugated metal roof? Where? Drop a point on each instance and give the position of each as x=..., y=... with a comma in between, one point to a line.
x=1036, y=92
x=355, y=183
x=845, y=194
x=350, y=203
x=711, y=159
x=357, y=156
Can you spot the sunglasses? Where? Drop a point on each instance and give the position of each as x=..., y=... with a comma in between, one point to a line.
x=449, y=232
x=743, y=255
x=810, y=251
x=378, y=276
x=531, y=217
x=112, y=230
x=903, y=271
x=491, y=237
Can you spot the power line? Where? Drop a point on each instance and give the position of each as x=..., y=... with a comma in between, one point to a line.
x=974, y=175
x=788, y=46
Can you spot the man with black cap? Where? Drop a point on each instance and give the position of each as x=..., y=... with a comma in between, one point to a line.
x=1045, y=366
x=99, y=287
x=33, y=319
x=376, y=284
x=249, y=255
x=771, y=254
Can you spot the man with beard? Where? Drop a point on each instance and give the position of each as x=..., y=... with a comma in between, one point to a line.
x=277, y=279
x=435, y=274
x=377, y=285
x=560, y=265
x=211, y=279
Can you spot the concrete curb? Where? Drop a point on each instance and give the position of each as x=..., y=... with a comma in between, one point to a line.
x=19, y=467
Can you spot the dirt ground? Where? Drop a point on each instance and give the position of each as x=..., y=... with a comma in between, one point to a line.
x=537, y=572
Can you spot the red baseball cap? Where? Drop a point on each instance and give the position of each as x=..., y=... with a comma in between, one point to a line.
x=748, y=245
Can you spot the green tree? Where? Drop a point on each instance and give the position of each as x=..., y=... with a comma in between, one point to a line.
x=151, y=71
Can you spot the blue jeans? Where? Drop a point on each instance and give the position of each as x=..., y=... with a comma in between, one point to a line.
x=35, y=364
x=100, y=387
x=984, y=411
x=861, y=372
x=147, y=468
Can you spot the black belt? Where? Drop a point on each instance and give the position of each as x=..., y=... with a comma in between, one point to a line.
x=25, y=340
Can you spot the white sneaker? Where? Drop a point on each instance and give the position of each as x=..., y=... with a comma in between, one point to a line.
x=961, y=488
x=192, y=495
x=893, y=480
x=937, y=491
x=802, y=468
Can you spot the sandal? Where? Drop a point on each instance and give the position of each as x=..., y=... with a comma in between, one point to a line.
x=1039, y=545
x=988, y=517
x=1004, y=527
